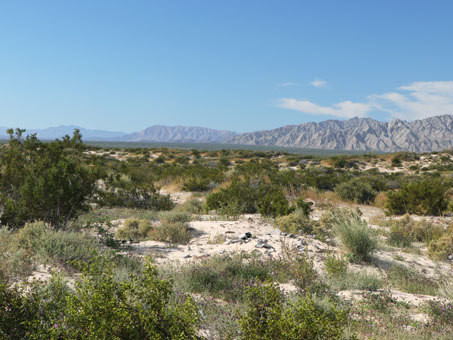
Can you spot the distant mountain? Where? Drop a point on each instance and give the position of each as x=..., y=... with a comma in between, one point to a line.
x=430, y=134
x=60, y=131
x=361, y=134
x=180, y=134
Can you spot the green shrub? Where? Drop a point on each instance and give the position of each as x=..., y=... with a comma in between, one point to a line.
x=267, y=318
x=15, y=262
x=44, y=181
x=425, y=197
x=225, y=277
x=302, y=270
x=336, y=266
x=135, y=197
x=356, y=190
x=245, y=198
x=133, y=229
x=407, y=230
x=99, y=307
x=175, y=216
x=304, y=206
x=173, y=232
x=355, y=235
x=296, y=222
x=191, y=206
x=441, y=248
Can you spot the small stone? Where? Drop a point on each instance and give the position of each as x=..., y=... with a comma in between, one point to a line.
x=187, y=256
x=267, y=246
x=450, y=257
x=292, y=236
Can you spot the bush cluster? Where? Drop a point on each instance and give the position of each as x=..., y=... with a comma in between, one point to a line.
x=248, y=198
x=267, y=318
x=424, y=197
x=99, y=307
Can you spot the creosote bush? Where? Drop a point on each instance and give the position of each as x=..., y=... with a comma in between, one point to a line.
x=356, y=190
x=44, y=181
x=424, y=197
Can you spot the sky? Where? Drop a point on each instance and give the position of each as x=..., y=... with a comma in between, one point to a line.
x=240, y=65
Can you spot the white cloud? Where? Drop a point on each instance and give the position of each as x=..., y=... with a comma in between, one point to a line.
x=318, y=83
x=417, y=100
x=346, y=109
x=287, y=84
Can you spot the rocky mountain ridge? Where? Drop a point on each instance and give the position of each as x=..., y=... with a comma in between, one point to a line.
x=430, y=134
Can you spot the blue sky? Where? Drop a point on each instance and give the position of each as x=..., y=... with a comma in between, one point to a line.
x=238, y=65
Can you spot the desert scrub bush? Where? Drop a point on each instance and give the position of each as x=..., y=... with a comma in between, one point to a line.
x=302, y=269
x=247, y=198
x=441, y=248
x=424, y=197
x=268, y=317
x=304, y=206
x=336, y=266
x=56, y=247
x=406, y=230
x=191, y=206
x=44, y=181
x=224, y=276
x=100, y=307
x=363, y=280
x=15, y=262
x=296, y=222
x=134, y=197
x=62, y=248
x=410, y=281
x=354, y=234
x=175, y=216
x=356, y=190
x=172, y=232
x=133, y=229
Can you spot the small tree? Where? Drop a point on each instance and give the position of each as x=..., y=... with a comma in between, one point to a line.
x=44, y=181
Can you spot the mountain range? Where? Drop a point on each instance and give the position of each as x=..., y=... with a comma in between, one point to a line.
x=361, y=134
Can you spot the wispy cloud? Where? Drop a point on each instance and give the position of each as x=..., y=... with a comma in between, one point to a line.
x=286, y=84
x=417, y=100
x=346, y=109
x=318, y=83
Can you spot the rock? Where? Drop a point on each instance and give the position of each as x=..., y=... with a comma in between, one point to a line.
x=267, y=246
x=292, y=236
x=187, y=256
x=223, y=251
x=283, y=233
x=450, y=257
x=249, y=235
